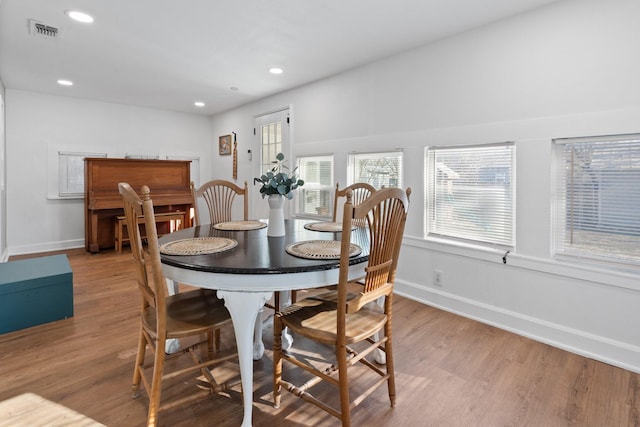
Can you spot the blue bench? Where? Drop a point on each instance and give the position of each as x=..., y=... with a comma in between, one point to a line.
x=35, y=291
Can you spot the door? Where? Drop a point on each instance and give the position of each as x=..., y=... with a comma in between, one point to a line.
x=272, y=133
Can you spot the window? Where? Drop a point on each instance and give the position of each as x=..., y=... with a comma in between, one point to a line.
x=142, y=156
x=272, y=132
x=597, y=206
x=271, y=142
x=377, y=169
x=470, y=193
x=71, y=173
x=316, y=195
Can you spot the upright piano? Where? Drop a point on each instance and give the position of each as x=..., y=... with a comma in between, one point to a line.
x=168, y=180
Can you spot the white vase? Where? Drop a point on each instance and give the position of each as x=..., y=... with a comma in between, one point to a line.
x=276, y=216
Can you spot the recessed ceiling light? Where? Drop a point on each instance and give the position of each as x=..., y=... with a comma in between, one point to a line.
x=199, y=104
x=276, y=70
x=76, y=15
x=63, y=82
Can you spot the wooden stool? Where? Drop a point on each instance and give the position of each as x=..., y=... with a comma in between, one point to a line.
x=161, y=217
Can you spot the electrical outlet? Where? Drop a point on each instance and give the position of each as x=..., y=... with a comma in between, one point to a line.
x=437, y=278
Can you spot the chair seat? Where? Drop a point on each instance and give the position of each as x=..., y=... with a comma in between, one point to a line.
x=190, y=313
x=315, y=318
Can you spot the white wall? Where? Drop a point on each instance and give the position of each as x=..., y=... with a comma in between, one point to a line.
x=566, y=70
x=38, y=125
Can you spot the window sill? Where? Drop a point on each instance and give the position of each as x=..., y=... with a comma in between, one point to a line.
x=597, y=274
x=56, y=197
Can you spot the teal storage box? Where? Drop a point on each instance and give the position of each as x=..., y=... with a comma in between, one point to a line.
x=35, y=291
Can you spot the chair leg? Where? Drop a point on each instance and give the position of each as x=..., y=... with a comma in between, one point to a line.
x=388, y=346
x=343, y=380
x=156, y=384
x=210, y=342
x=116, y=235
x=277, y=360
x=217, y=339
x=137, y=371
x=213, y=342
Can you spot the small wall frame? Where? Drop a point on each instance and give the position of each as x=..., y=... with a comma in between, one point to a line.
x=224, y=145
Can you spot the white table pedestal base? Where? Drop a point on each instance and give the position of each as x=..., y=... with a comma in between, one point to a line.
x=244, y=308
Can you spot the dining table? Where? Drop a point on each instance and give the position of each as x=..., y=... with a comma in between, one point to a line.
x=246, y=267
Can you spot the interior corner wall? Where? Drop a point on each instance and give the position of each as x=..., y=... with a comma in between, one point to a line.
x=4, y=253
x=567, y=69
x=37, y=123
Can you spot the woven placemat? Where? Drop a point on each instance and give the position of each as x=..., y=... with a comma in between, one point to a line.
x=240, y=225
x=198, y=246
x=320, y=249
x=325, y=226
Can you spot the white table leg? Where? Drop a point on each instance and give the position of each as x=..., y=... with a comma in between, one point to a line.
x=172, y=345
x=258, y=345
x=244, y=308
x=287, y=338
x=172, y=286
x=379, y=355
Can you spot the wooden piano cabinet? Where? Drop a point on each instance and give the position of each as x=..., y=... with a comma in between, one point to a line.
x=169, y=181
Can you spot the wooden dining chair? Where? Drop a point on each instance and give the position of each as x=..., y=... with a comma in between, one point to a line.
x=360, y=192
x=196, y=313
x=347, y=322
x=219, y=196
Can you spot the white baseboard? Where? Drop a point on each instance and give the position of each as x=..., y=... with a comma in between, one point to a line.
x=46, y=247
x=621, y=354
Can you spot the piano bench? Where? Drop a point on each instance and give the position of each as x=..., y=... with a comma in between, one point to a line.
x=121, y=223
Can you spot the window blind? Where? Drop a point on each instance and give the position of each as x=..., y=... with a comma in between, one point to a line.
x=378, y=169
x=317, y=192
x=598, y=198
x=470, y=193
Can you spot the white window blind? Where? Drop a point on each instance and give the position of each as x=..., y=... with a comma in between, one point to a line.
x=316, y=195
x=378, y=169
x=597, y=213
x=470, y=193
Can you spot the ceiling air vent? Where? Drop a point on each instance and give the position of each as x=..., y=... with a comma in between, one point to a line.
x=39, y=29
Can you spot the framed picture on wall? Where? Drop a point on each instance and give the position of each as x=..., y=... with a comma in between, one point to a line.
x=224, y=145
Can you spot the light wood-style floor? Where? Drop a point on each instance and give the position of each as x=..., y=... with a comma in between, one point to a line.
x=450, y=371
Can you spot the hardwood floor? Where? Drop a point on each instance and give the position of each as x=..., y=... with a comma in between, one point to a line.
x=450, y=371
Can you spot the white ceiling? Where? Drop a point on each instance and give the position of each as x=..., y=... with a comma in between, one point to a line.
x=167, y=53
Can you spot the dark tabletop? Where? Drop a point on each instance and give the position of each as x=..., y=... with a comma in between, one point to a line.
x=258, y=254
